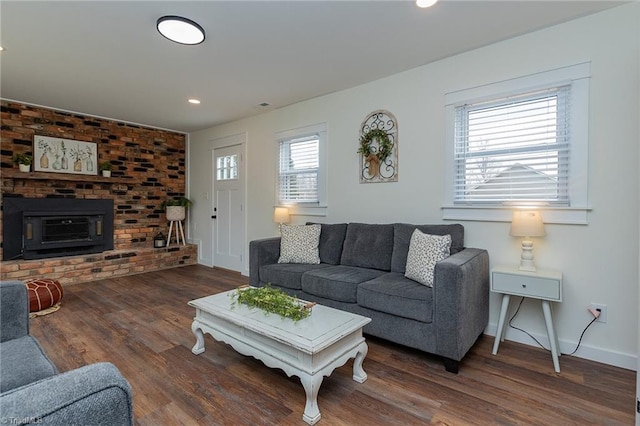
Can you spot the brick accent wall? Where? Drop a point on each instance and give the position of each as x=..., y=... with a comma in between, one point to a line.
x=149, y=168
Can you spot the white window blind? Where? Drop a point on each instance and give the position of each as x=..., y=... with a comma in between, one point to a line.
x=513, y=149
x=298, y=180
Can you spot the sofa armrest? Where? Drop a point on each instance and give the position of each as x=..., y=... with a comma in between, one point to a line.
x=96, y=394
x=262, y=252
x=14, y=310
x=461, y=301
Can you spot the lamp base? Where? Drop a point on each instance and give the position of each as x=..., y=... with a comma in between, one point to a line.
x=529, y=268
x=526, y=257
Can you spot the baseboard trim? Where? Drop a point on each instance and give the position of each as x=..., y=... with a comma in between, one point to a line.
x=201, y=260
x=593, y=353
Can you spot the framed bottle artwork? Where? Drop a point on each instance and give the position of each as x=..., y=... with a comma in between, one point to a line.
x=64, y=156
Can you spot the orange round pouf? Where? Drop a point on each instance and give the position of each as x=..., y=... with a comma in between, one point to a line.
x=44, y=293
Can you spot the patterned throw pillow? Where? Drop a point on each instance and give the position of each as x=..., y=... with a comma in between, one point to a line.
x=425, y=251
x=299, y=244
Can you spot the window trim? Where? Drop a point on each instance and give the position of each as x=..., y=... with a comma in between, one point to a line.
x=306, y=209
x=576, y=213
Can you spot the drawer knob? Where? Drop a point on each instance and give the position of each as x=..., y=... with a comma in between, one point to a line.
x=524, y=286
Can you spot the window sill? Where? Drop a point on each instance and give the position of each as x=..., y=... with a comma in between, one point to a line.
x=297, y=210
x=562, y=215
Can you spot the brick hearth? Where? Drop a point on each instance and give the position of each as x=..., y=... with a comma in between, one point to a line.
x=78, y=269
x=149, y=168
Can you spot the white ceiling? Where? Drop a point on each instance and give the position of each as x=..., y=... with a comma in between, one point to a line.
x=105, y=58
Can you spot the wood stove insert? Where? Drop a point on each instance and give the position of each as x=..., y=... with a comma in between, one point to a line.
x=36, y=228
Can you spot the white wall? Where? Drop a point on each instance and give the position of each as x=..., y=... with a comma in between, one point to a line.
x=638, y=331
x=599, y=261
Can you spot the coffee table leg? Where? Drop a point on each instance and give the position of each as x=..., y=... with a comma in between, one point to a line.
x=198, y=348
x=359, y=374
x=311, y=386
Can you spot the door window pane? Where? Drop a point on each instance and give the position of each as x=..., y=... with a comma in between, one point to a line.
x=227, y=167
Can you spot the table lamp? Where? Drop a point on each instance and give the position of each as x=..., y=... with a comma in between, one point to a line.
x=281, y=215
x=527, y=224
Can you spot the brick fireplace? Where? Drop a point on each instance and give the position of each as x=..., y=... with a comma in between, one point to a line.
x=149, y=168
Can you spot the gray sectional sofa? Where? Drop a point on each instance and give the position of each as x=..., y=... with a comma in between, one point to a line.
x=32, y=390
x=362, y=271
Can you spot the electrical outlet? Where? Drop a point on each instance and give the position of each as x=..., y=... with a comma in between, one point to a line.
x=603, y=311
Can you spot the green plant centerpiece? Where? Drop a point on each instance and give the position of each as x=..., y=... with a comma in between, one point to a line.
x=372, y=155
x=272, y=300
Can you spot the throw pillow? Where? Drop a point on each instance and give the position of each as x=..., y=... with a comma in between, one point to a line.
x=299, y=244
x=425, y=251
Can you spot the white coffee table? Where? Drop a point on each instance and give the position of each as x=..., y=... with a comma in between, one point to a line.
x=310, y=348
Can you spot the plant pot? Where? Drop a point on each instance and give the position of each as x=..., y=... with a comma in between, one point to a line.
x=24, y=167
x=106, y=173
x=175, y=213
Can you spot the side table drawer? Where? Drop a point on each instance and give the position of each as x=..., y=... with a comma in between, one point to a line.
x=537, y=287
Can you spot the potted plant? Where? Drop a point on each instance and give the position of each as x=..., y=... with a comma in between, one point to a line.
x=106, y=167
x=176, y=208
x=23, y=161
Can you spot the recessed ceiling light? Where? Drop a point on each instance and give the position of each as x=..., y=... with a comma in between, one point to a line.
x=180, y=30
x=425, y=3
x=194, y=101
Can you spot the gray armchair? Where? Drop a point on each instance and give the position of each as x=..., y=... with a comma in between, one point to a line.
x=33, y=391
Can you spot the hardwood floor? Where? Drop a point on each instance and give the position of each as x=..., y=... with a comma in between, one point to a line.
x=142, y=324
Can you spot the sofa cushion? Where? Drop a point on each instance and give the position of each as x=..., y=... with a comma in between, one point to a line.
x=287, y=275
x=394, y=294
x=425, y=250
x=337, y=282
x=402, y=237
x=299, y=244
x=331, y=241
x=368, y=246
x=22, y=361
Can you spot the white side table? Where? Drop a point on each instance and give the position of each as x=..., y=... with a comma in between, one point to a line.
x=543, y=285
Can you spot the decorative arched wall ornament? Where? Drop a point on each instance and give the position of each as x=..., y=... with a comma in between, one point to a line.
x=378, y=148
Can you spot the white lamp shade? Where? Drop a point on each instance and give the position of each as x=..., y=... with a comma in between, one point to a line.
x=527, y=223
x=281, y=215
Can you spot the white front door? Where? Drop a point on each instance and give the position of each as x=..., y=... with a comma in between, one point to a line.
x=228, y=209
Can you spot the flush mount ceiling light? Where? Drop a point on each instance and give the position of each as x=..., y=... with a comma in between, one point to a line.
x=180, y=30
x=425, y=3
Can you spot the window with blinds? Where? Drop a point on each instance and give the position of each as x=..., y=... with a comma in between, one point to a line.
x=513, y=149
x=298, y=177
